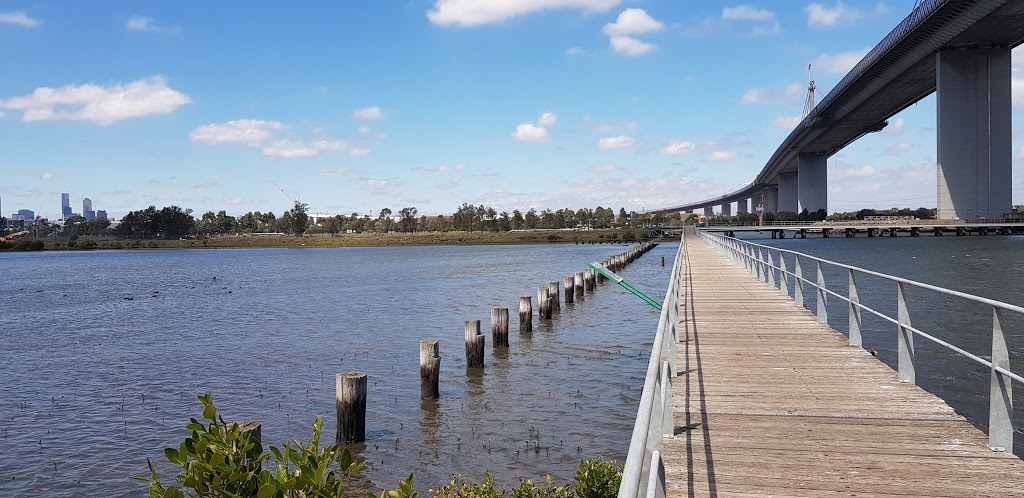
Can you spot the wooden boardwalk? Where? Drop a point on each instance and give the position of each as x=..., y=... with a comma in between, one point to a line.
x=768, y=402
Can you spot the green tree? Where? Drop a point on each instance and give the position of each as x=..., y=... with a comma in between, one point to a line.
x=299, y=219
x=407, y=219
x=384, y=220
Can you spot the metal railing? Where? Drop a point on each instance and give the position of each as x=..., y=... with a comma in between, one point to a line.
x=760, y=261
x=644, y=473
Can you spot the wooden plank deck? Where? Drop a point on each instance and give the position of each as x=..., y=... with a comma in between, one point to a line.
x=768, y=402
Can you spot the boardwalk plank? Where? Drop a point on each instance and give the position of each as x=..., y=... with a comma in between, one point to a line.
x=769, y=402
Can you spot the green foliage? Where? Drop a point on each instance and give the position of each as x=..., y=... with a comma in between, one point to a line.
x=598, y=478
x=595, y=478
x=219, y=459
x=404, y=490
x=22, y=245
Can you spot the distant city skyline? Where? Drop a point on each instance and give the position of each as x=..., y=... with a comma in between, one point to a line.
x=431, y=103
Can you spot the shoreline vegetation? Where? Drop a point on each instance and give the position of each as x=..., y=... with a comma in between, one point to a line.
x=365, y=239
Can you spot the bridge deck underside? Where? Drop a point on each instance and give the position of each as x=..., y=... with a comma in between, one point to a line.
x=768, y=402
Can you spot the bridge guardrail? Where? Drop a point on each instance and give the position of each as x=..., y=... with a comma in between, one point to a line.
x=643, y=475
x=759, y=261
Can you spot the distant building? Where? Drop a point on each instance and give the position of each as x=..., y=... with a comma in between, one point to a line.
x=65, y=205
x=101, y=214
x=87, y=211
x=24, y=215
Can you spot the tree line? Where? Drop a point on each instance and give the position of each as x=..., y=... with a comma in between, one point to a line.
x=173, y=222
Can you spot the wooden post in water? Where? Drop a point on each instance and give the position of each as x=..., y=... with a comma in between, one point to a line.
x=555, y=295
x=589, y=279
x=430, y=369
x=499, y=326
x=350, y=403
x=663, y=261
x=543, y=304
x=525, y=314
x=579, y=283
x=570, y=289
x=474, y=345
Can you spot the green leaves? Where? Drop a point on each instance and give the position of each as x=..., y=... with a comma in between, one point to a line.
x=220, y=459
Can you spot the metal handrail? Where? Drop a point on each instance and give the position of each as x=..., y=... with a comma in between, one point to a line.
x=758, y=260
x=643, y=474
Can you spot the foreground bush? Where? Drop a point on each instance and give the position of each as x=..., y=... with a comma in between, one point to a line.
x=220, y=459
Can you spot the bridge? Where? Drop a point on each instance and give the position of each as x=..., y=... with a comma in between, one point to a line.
x=959, y=49
x=749, y=391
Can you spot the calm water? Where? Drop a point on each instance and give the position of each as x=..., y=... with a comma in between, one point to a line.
x=94, y=384
x=991, y=266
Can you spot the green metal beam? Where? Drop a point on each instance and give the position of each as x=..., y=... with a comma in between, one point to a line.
x=610, y=275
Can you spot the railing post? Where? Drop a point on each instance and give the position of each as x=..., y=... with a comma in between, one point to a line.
x=783, y=277
x=1000, y=412
x=656, y=478
x=798, y=283
x=905, y=338
x=822, y=302
x=854, y=313
x=668, y=425
x=771, y=268
x=758, y=266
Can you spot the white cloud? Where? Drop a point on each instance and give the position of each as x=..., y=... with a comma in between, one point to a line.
x=820, y=16
x=839, y=63
x=853, y=172
x=1, y=114
x=897, y=149
x=46, y=176
x=258, y=133
x=529, y=132
x=368, y=113
x=18, y=17
x=330, y=145
x=753, y=96
x=720, y=156
x=574, y=51
x=99, y=104
x=604, y=168
x=676, y=147
x=895, y=127
x=360, y=151
x=363, y=130
x=296, y=148
x=247, y=131
x=289, y=149
x=141, y=23
x=774, y=29
x=746, y=13
x=790, y=94
x=609, y=127
x=632, y=22
x=468, y=13
x=630, y=46
x=616, y=142
x=547, y=119
x=786, y=122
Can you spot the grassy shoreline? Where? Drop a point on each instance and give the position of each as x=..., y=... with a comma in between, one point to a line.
x=359, y=240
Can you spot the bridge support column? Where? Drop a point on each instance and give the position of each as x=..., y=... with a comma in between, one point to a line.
x=708, y=211
x=788, y=191
x=742, y=206
x=974, y=133
x=727, y=209
x=771, y=199
x=812, y=182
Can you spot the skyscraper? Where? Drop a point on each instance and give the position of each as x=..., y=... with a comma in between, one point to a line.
x=87, y=211
x=65, y=205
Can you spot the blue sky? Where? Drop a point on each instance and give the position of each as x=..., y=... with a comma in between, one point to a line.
x=356, y=106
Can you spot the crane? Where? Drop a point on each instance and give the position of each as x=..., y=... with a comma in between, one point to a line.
x=290, y=198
